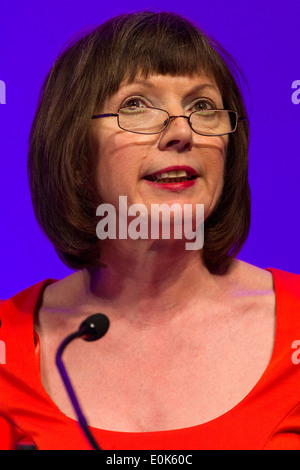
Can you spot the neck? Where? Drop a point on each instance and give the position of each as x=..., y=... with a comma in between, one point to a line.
x=145, y=280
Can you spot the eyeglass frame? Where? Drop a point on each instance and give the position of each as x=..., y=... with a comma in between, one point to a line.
x=238, y=119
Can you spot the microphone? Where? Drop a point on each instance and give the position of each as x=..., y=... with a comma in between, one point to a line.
x=91, y=329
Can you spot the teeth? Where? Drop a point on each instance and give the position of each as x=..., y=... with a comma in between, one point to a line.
x=181, y=173
x=172, y=174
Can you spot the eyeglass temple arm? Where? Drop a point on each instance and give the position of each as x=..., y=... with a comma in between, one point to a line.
x=241, y=119
x=103, y=115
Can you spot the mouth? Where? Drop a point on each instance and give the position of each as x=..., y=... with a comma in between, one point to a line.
x=172, y=176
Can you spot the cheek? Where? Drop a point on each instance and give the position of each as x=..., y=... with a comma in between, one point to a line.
x=214, y=161
x=117, y=161
x=220, y=159
x=215, y=178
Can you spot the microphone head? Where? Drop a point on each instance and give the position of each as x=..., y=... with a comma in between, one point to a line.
x=94, y=327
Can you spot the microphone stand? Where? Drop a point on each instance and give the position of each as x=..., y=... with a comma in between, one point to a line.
x=81, y=418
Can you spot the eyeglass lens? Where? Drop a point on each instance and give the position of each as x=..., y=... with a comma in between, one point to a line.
x=152, y=120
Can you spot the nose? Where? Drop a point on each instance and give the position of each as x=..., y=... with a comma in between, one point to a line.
x=178, y=135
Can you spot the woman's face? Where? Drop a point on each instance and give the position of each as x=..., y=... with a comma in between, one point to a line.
x=126, y=162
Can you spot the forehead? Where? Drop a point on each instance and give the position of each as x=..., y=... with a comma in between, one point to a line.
x=158, y=84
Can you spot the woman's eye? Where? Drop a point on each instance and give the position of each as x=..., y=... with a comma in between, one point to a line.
x=203, y=105
x=133, y=103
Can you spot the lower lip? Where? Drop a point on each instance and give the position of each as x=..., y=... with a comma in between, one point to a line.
x=173, y=186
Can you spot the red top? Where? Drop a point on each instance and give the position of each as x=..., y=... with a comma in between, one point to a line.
x=267, y=418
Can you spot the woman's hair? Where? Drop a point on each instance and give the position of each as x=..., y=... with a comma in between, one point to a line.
x=87, y=72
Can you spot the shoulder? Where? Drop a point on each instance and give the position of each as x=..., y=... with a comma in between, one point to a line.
x=66, y=293
x=61, y=303
x=16, y=322
x=250, y=278
x=269, y=287
x=286, y=282
x=287, y=291
x=252, y=291
x=24, y=301
x=255, y=277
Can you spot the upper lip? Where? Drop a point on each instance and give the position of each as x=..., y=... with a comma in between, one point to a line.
x=191, y=171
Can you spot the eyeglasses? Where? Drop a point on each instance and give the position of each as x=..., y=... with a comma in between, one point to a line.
x=211, y=122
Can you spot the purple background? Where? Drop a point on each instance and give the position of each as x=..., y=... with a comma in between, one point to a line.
x=263, y=37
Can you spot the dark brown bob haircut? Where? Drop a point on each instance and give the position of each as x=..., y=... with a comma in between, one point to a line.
x=88, y=71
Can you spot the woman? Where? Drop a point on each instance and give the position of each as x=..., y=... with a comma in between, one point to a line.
x=139, y=108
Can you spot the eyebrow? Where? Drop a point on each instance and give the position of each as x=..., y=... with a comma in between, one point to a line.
x=150, y=85
x=202, y=87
